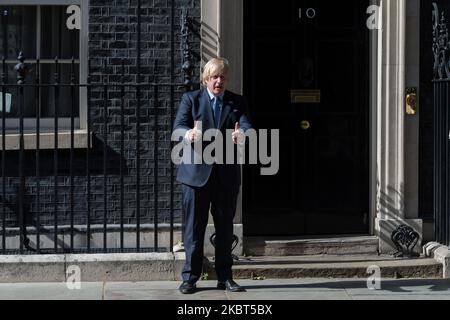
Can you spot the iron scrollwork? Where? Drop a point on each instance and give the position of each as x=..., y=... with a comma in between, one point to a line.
x=441, y=45
x=404, y=239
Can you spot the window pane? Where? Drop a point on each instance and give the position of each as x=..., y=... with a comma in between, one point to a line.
x=56, y=39
x=18, y=31
x=65, y=93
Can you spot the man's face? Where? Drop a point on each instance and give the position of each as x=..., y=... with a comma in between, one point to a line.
x=217, y=83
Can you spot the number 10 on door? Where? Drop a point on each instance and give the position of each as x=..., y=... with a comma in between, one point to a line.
x=310, y=13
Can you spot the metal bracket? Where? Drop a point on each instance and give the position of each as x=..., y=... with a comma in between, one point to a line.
x=212, y=239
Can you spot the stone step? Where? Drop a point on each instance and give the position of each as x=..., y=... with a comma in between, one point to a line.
x=332, y=266
x=168, y=266
x=289, y=246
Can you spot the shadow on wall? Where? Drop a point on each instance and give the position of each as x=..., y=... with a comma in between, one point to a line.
x=210, y=42
x=389, y=203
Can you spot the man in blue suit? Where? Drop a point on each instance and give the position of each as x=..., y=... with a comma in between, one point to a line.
x=206, y=185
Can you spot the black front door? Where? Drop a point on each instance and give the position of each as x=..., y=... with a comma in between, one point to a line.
x=307, y=75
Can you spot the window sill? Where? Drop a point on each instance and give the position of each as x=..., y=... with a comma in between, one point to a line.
x=46, y=140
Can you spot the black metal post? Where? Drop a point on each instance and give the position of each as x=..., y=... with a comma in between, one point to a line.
x=4, y=81
x=88, y=160
x=55, y=153
x=171, y=106
x=155, y=159
x=444, y=137
x=122, y=152
x=447, y=176
x=22, y=70
x=441, y=86
x=105, y=155
x=38, y=165
x=72, y=153
x=138, y=131
x=442, y=141
x=435, y=168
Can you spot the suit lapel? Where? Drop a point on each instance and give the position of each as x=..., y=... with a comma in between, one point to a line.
x=206, y=110
x=226, y=108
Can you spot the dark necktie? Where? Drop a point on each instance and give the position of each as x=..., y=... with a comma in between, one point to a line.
x=216, y=108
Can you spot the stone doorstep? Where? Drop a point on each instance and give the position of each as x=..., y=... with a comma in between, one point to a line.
x=168, y=266
x=326, y=266
x=350, y=245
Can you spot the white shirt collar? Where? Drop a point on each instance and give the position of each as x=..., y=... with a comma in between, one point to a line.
x=211, y=95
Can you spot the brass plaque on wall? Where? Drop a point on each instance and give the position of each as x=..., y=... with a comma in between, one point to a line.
x=305, y=96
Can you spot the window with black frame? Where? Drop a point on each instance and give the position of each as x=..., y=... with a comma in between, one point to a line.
x=41, y=33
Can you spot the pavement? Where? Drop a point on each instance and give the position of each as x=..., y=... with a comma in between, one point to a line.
x=267, y=289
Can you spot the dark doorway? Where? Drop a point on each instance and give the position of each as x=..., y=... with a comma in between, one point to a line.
x=307, y=74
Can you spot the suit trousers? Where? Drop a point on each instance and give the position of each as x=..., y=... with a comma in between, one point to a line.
x=196, y=204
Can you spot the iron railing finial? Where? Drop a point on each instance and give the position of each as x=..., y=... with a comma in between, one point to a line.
x=21, y=69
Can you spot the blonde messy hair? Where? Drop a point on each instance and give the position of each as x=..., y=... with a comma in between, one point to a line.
x=215, y=66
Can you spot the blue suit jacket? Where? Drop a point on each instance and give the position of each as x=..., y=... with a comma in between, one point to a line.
x=195, y=106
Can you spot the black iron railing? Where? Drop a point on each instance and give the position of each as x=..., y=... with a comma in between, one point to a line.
x=91, y=198
x=98, y=130
x=441, y=85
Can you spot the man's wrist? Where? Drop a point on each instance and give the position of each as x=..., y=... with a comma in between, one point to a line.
x=240, y=137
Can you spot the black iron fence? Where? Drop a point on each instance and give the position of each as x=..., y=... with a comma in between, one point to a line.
x=441, y=161
x=67, y=181
x=85, y=167
x=441, y=84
